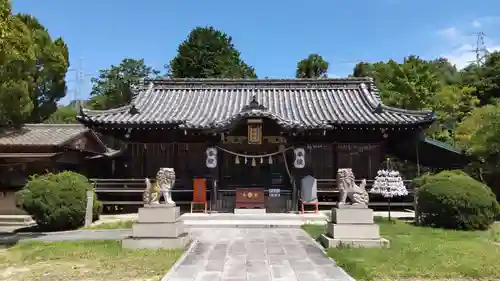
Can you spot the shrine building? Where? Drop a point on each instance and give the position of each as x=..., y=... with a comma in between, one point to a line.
x=266, y=134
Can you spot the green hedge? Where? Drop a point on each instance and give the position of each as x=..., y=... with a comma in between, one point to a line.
x=57, y=201
x=452, y=199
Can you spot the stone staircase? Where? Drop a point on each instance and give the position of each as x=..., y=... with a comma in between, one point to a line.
x=193, y=220
x=16, y=221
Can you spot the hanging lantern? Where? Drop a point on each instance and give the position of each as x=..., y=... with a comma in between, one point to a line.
x=237, y=160
x=300, y=161
x=211, y=161
x=270, y=160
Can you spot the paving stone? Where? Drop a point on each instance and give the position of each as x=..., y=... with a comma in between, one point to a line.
x=257, y=266
x=258, y=276
x=239, y=273
x=217, y=256
x=214, y=266
x=322, y=261
x=302, y=266
x=308, y=276
x=273, y=250
x=280, y=272
x=257, y=254
x=208, y=276
x=186, y=271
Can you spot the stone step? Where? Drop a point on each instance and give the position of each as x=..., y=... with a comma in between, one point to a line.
x=252, y=217
x=248, y=223
x=16, y=220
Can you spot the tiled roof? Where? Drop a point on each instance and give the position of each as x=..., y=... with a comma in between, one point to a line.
x=41, y=134
x=293, y=103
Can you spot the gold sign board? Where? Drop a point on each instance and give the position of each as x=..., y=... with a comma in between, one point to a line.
x=254, y=133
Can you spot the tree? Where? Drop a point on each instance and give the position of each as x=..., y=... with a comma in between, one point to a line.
x=17, y=58
x=52, y=62
x=479, y=133
x=452, y=103
x=63, y=115
x=314, y=66
x=485, y=78
x=209, y=53
x=112, y=88
x=418, y=84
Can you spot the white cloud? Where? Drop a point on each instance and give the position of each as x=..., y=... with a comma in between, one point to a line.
x=476, y=24
x=481, y=22
x=461, y=45
x=465, y=54
x=450, y=33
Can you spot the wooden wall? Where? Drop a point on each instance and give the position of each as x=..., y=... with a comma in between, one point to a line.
x=188, y=160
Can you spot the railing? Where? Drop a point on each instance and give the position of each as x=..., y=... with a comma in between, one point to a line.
x=128, y=192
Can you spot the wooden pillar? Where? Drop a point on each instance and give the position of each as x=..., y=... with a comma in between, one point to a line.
x=214, y=176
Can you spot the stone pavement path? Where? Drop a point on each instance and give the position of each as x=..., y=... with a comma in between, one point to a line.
x=239, y=254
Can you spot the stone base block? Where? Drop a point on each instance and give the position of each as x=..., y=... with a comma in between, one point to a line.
x=249, y=211
x=158, y=213
x=353, y=231
x=329, y=242
x=352, y=215
x=156, y=243
x=158, y=230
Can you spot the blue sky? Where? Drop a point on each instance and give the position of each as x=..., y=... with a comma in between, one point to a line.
x=271, y=35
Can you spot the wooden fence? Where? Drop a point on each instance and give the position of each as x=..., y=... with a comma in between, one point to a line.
x=128, y=192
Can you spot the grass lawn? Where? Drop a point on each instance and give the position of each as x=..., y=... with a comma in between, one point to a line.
x=419, y=253
x=83, y=260
x=123, y=224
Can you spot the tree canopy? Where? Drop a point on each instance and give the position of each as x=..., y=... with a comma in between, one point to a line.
x=314, y=66
x=32, y=69
x=52, y=62
x=112, y=88
x=209, y=53
x=16, y=61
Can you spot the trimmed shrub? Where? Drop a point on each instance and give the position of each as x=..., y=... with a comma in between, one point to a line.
x=452, y=199
x=57, y=201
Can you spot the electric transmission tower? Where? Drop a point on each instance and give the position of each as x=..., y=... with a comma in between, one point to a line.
x=480, y=50
x=80, y=76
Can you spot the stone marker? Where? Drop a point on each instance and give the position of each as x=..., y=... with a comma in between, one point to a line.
x=89, y=208
x=157, y=227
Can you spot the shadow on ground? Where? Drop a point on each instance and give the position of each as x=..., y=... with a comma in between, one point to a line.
x=9, y=239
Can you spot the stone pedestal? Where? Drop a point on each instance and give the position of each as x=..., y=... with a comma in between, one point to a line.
x=353, y=226
x=157, y=227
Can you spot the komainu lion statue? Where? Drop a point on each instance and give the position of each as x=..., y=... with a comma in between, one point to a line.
x=165, y=179
x=348, y=188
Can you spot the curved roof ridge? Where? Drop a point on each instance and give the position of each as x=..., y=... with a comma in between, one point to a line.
x=97, y=112
x=258, y=82
x=254, y=109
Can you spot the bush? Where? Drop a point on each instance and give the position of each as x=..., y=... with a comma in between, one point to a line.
x=452, y=199
x=57, y=201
